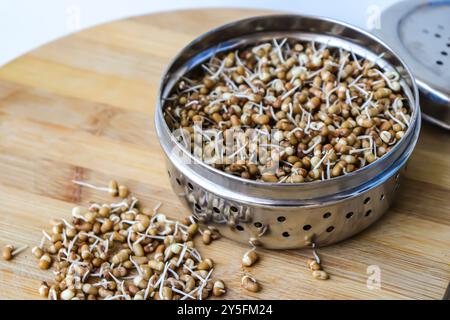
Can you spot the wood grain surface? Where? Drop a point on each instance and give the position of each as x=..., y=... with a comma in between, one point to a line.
x=82, y=107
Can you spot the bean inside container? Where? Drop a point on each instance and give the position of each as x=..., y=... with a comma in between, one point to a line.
x=234, y=90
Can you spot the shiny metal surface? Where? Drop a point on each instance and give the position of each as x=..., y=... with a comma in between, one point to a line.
x=286, y=215
x=419, y=31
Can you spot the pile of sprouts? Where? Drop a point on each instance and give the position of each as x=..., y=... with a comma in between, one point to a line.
x=288, y=111
x=122, y=251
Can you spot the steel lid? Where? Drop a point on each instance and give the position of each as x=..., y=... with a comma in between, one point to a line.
x=419, y=31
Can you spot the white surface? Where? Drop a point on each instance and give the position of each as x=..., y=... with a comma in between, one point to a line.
x=26, y=24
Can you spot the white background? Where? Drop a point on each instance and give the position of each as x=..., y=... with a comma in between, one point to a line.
x=26, y=24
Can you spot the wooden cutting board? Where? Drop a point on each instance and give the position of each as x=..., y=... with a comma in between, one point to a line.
x=82, y=107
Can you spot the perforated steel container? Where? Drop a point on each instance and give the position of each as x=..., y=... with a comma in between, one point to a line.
x=283, y=216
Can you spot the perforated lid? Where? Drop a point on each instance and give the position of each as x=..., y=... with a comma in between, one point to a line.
x=419, y=31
